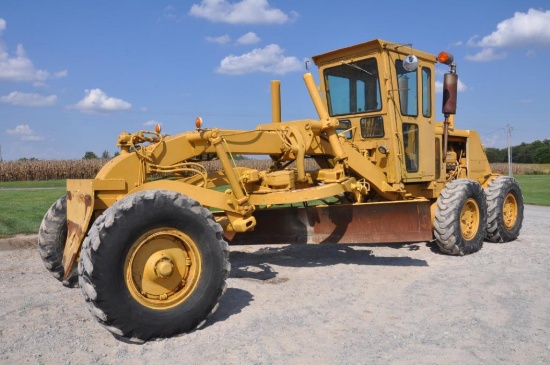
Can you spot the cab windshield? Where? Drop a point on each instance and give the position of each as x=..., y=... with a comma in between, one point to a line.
x=353, y=87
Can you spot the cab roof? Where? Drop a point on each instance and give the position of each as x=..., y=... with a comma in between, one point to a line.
x=374, y=46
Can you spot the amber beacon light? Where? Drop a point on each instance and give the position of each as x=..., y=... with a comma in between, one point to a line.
x=445, y=58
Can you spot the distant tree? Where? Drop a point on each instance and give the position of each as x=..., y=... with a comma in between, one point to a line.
x=542, y=154
x=496, y=155
x=106, y=155
x=25, y=159
x=534, y=152
x=89, y=155
x=116, y=154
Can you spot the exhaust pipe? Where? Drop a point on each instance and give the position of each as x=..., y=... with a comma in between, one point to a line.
x=450, y=90
x=275, y=101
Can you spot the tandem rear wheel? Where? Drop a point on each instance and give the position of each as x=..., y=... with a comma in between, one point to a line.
x=461, y=217
x=505, y=209
x=466, y=214
x=153, y=265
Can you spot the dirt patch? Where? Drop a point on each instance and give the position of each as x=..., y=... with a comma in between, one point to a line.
x=19, y=242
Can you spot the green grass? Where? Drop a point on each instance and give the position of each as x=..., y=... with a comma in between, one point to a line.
x=535, y=189
x=32, y=184
x=22, y=210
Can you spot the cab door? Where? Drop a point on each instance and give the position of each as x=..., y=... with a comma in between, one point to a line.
x=415, y=111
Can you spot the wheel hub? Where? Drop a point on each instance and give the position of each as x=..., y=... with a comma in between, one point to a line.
x=510, y=211
x=162, y=268
x=469, y=219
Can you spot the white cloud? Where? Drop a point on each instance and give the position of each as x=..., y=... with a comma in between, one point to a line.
x=97, y=100
x=24, y=133
x=220, y=40
x=270, y=59
x=523, y=29
x=472, y=41
x=240, y=12
x=26, y=99
x=485, y=55
x=60, y=74
x=19, y=67
x=152, y=123
x=169, y=12
x=461, y=87
x=532, y=27
x=249, y=38
x=493, y=140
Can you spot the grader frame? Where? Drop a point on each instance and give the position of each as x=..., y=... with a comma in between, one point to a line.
x=386, y=172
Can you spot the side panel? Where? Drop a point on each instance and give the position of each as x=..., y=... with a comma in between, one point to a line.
x=478, y=164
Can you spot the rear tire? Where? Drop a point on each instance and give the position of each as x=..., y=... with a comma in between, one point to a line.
x=504, y=209
x=460, y=217
x=153, y=265
x=51, y=242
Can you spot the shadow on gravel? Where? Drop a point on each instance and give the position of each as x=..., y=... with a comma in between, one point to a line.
x=432, y=245
x=232, y=302
x=257, y=265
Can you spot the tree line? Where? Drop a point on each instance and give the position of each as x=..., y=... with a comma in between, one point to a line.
x=534, y=152
x=89, y=155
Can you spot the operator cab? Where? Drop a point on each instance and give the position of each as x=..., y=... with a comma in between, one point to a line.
x=379, y=90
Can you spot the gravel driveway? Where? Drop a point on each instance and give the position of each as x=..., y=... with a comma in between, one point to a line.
x=328, y=304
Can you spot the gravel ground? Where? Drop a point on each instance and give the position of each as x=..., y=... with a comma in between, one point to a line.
x=329, y=304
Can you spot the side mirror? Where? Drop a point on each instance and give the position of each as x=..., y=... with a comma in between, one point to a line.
x=410, y=63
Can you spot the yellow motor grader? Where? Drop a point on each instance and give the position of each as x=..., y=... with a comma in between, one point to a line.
x=147, y=239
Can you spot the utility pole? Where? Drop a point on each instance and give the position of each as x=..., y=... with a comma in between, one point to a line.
x=509, y=135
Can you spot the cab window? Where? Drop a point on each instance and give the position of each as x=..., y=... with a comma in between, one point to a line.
x=372, y=127
x=426, y=92
x=344, y=126
x=410, y=142
x=408, y=90
x=353, y=88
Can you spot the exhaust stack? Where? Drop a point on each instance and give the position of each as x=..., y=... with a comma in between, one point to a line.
x=450, y=89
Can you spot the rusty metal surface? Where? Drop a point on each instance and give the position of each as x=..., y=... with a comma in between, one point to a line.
x=80, y=201
x=407, y=221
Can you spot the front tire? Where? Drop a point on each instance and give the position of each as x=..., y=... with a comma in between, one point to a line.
x=460, y=217
x=51, y=242
x=504, y=209
x=153, y=265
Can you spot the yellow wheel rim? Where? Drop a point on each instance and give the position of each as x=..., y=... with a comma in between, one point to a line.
x=510, y=211
x=469, y=219
x=162, y=268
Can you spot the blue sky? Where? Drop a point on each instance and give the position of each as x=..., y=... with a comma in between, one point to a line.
x=74, y=74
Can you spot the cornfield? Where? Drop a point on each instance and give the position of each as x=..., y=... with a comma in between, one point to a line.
x=49, y=170
x=87, y=169
x=521, y=168
x=32, y=170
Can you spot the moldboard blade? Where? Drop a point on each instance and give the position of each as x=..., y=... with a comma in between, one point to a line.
x=403, y=221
